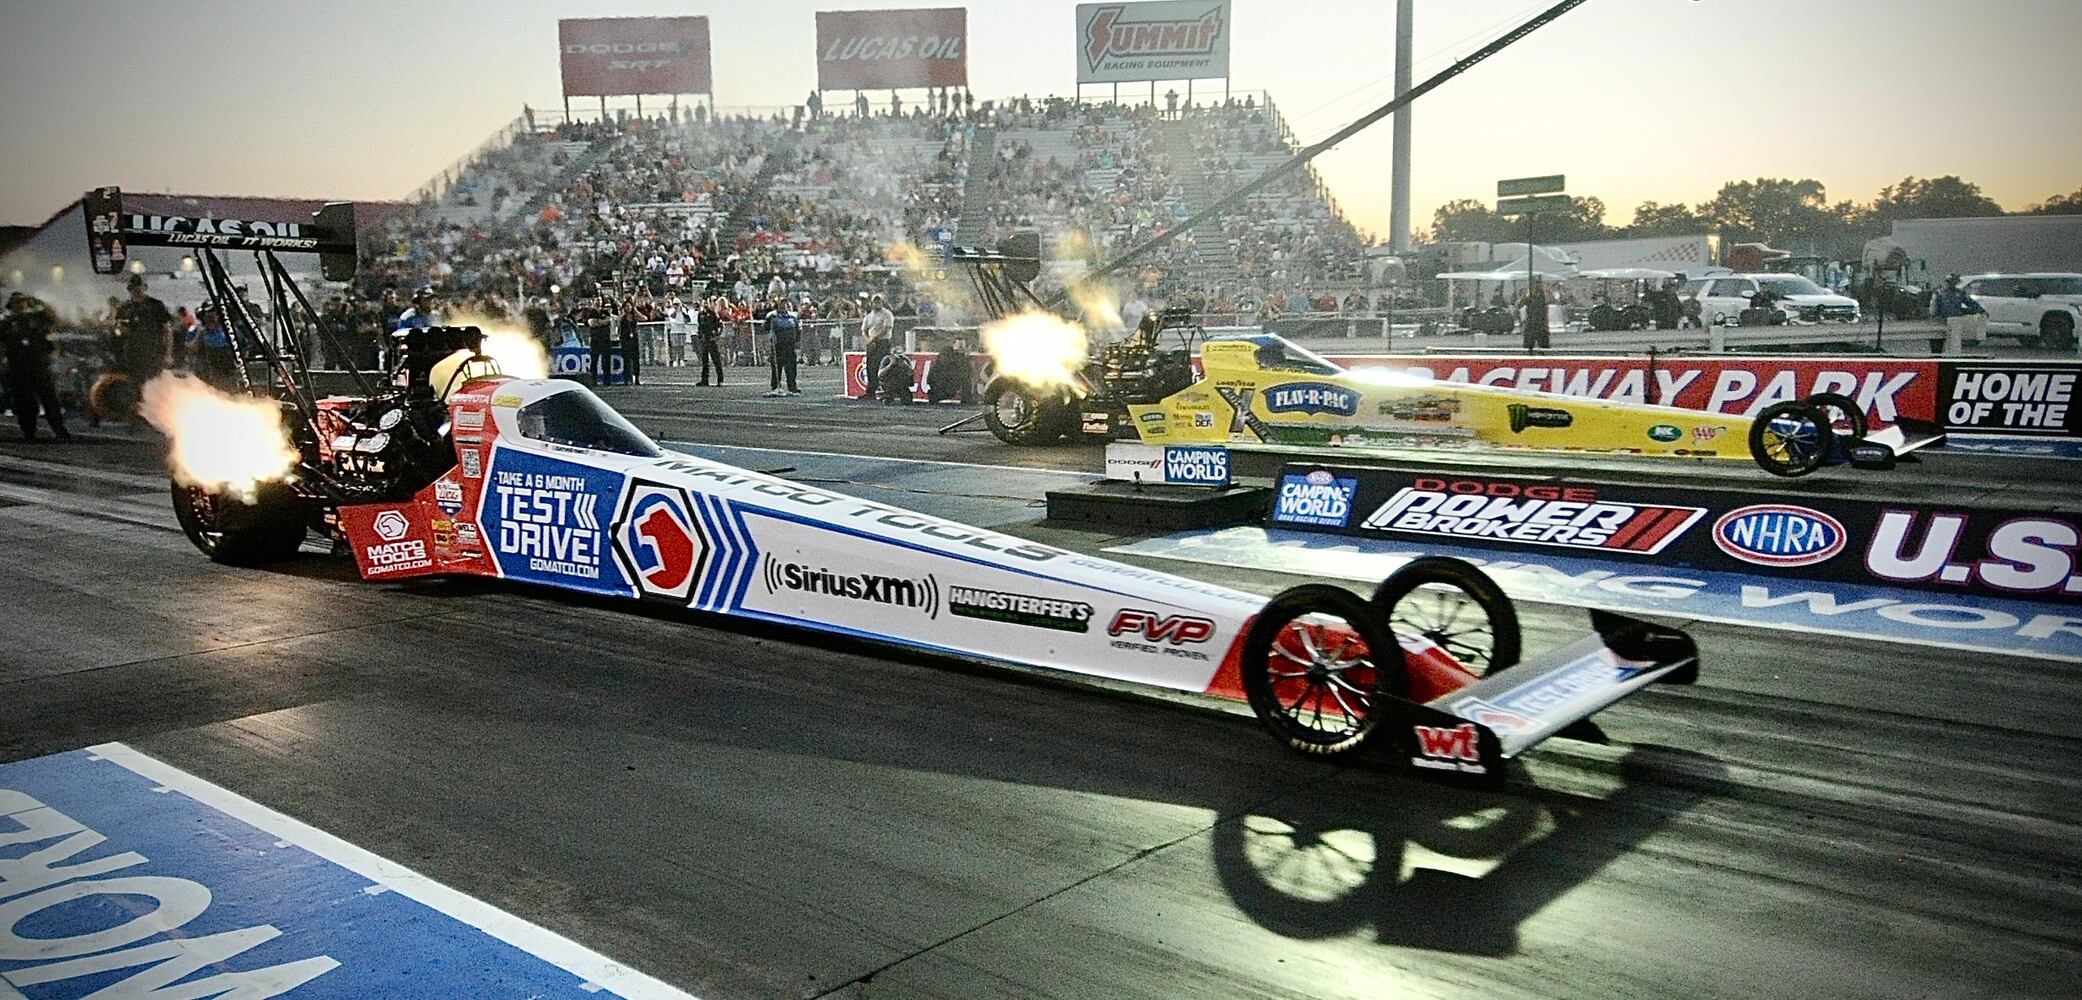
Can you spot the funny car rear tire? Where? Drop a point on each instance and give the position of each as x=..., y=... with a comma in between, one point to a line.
x=1315, y=663
x=1791, y=439
x=238, y=532
x=1431, y=597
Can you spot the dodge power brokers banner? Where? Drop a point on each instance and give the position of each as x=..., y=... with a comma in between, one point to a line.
x=1991, y=552
x=609, y=56
x=891, y=49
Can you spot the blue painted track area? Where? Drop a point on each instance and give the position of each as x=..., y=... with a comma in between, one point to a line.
x=120, y=873
x=2023, y=628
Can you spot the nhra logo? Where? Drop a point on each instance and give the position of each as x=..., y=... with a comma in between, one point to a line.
x=1197, y=466
x=1312, y=398
x=1777, y=534
x=1318, y=499
x=659, y=545
x=1108, y=37
x=922, y=593
x=1561, y=516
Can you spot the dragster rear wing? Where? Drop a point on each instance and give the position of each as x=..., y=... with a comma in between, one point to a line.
x=1880, y=449
x=111, y=231
x=1474, y=729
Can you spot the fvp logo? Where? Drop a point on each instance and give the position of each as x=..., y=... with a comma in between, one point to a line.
x=659, y=544
x=1151, y=626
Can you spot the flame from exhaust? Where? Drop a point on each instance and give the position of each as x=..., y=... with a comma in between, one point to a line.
x=1036, y=348
x=1097, y=305
x=516, y=350
x=218, y=441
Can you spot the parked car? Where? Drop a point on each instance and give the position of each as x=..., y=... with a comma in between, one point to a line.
x=2043, y=307
x=1724, y=299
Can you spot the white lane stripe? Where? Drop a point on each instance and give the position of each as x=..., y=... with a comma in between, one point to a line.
x=556, y=949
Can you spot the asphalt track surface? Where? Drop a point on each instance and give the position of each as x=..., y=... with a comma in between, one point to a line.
x=743, y=814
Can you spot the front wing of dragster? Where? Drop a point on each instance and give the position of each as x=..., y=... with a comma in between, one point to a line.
x=725, y=540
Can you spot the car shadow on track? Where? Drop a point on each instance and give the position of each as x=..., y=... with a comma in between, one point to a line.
x=1443, y=868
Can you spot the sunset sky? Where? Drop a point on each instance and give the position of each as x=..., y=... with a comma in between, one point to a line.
x=1632, y=99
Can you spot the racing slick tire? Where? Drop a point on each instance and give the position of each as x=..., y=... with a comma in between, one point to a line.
x=1847, y=418
x=1022, y=415
x=1791, y=439
x=1310, y=683
x=1432, y=597
x=238, y=532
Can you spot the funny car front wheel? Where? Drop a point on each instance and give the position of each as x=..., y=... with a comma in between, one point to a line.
x=241, y=531
x=1314, y=665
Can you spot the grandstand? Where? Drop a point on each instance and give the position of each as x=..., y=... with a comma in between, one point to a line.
x=679, y=203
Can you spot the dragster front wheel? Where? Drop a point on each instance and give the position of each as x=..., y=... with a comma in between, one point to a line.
x=1316, y=663
x=1791, y=439
x=241, y=531
x=1023, y=415
x=1454, y=606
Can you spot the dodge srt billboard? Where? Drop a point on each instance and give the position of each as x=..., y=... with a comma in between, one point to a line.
x=891, y=49
x=609, y=56
x=1159, y=40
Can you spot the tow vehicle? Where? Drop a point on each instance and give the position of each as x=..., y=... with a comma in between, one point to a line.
x=449, y=468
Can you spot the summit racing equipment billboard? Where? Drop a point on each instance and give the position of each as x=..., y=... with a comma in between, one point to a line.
x=610, y=56
x=891, y=49
x=1980, y=551
x=1157, y=40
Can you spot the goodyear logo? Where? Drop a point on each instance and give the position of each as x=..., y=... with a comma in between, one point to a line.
x=1777, y=534
x=1312, y=398
x=1317, y=499
x=1196, y=466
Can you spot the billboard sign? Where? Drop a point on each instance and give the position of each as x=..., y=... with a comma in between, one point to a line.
x=1159, y=40
x=609, y=56
x=891, y=49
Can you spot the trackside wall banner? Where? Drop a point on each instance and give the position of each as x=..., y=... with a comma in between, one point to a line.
x=890, y=49
x=2028, y=398
x=607, y=56
x=1159, y=40
x=1991, y=552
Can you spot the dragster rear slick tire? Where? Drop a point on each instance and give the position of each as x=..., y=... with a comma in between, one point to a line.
x=1300, y=663
x=1445, y=623
x=1019, y=414
x=239, y=532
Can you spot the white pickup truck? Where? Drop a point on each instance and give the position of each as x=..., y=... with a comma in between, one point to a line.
x=2042, y=307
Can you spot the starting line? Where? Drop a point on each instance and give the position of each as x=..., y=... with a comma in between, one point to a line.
x=122, y=873
x=2019, y=628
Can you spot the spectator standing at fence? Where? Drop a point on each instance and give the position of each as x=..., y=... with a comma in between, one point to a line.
x=860, y=104
x=875, y=330
x=816, y=105
x=679, y=332
x=952, y=375
x=631, y=328
x=783, y=329
x=1535, y=322
x=208, y=348
x=808, y=341
x=1950, y=301
x=709, y=334
x=598, y=319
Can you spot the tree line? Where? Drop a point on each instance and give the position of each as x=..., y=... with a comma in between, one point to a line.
x=1794, y=215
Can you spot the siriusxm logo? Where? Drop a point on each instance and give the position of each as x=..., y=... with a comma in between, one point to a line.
x=1776, y=534
x=1197, y=466
x=1317, y=499
x=1312, y=398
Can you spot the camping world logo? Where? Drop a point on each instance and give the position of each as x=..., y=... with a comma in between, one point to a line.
x=1778, y=534
x=1112, y=37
